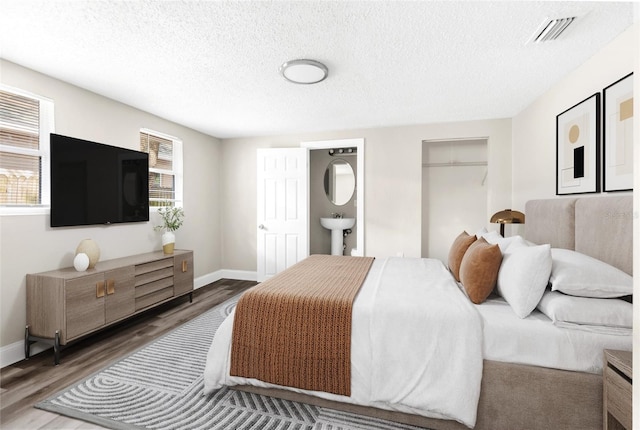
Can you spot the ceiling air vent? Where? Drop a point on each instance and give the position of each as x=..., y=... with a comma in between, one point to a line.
x=551, y=29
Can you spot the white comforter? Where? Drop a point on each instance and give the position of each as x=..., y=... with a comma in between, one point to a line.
x=416, y=344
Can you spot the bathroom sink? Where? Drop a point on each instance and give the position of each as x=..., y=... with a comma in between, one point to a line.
x=337, y=223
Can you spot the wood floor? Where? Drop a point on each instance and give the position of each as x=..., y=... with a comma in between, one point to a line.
x=27, y=382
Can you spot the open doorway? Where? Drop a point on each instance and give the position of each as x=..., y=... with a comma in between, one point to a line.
x=321, y=204
x=454, y=192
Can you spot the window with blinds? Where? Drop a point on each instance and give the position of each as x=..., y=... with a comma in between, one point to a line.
x=165, y=168
x=25, y=124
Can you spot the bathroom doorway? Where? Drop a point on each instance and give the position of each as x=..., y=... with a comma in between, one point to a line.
x=327, y=159
x=454, y=192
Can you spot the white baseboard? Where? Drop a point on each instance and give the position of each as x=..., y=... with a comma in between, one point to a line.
x=242, y=275
x=14, y=352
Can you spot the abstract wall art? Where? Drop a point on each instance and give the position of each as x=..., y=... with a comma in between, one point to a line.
x=618, y=135
x=578, y=148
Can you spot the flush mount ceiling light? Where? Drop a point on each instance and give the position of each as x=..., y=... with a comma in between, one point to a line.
x=304, y=71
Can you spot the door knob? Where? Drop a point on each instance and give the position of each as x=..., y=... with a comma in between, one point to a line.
x=262, y=227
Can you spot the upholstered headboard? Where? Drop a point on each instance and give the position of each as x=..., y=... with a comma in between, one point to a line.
x=601, y=227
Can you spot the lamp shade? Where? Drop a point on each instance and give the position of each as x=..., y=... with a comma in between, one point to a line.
x=508, y=216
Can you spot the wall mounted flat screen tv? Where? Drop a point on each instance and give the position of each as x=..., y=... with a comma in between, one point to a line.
x=94, y=183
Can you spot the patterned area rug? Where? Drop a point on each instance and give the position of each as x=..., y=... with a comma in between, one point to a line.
x=161, y=387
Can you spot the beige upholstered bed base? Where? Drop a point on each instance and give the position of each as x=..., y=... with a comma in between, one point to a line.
x=513, y=396
x=516, y=396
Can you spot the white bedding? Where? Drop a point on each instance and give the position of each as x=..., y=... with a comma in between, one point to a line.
x=424, y=343
x=535, y=340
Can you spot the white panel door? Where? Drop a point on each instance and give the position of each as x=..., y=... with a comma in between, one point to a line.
x=283, y=218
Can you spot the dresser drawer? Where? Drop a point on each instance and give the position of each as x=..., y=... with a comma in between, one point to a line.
x=155, y=275
x=152, y=266
x=152, y=287
x=153, y=298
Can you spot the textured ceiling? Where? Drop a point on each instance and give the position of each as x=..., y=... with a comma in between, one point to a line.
x=213, y=65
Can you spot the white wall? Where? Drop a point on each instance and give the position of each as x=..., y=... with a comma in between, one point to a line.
x=29, y=245
x=393, y=178
x=534, y=129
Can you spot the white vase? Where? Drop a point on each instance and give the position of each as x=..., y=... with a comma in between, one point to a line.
x=81, y=262
x=168, y=242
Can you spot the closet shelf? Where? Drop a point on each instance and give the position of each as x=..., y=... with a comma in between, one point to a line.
x=456, y=164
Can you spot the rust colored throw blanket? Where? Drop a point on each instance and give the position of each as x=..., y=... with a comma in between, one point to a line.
x=295, y=329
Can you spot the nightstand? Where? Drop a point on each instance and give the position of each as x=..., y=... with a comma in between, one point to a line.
x=616, y=381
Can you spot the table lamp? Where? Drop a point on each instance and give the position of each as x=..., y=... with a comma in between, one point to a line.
x=507, y=216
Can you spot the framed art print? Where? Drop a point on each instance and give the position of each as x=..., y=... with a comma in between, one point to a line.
x=617, y=165
x=578, y=148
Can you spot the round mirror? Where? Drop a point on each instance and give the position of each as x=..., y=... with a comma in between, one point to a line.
x=339, y=182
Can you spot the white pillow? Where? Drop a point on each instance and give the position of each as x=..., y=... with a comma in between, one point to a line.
x=580, y=275
x=524, y=275
x=586, y=312
x=493, y=237
x=480, y=233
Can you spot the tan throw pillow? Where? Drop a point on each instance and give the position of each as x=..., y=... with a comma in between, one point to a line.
x=459, y=247
x=479, y=269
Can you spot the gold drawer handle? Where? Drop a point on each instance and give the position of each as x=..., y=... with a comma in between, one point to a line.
x=111, y=286
x=100, y=289
x=184, y=266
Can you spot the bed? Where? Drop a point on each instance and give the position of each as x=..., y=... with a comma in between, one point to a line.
x=517, y=386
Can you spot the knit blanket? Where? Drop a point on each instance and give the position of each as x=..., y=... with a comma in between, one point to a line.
x=295, y=328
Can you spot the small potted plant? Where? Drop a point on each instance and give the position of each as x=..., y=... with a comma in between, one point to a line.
x=172, y=219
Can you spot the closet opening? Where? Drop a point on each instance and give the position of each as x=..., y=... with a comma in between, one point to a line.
x=454, y=192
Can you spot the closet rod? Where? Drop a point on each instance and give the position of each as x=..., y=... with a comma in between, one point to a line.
x=456, y=164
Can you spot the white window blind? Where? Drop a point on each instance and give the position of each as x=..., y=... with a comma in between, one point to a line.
x=165, y=168
x=26, y=121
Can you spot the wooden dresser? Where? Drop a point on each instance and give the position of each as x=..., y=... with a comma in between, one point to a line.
x=617, y=386
x=65, y=305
